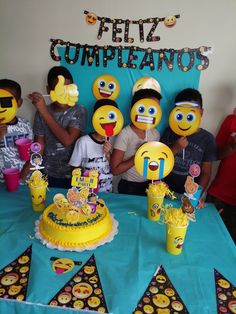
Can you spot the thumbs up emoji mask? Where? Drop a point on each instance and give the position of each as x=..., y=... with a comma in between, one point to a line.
x=64, y=94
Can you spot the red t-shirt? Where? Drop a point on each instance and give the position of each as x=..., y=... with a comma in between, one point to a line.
x=223, y=186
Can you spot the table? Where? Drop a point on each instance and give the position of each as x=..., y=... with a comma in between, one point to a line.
x=127, y=264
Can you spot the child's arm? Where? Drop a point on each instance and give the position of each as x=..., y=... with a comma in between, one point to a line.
x=3, y=129
x=107, y=149
x=65, y=136
x=118, y=165
x=204, y=180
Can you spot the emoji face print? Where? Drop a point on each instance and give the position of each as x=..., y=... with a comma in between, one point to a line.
x=107, y=120
x=146, y=113
x=232, y=306
x=161, y=300
x=89, y=269
x=185, y=119
x=93, y=279
x=63, y=265
x=78, y=304
x=223, y=283
x=2, y=291
x=91, y=18
x=94, y=301
x=64, y=297
x=106, y=86
x=82, y=290
x=148, y=309
x=160, y=278
x=163, y=311
x=8, y=106
x=154, y=160
x=194, y=170
x=13, y=290
x=179, y=241
x=170, y=21
x=178, y=306
x=23, y=259
x=9, y=279
x=169, y=292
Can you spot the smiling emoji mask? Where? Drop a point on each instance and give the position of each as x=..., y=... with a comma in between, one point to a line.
x=8, y=106
x=185, y=118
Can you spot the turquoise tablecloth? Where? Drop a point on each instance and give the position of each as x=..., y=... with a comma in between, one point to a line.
x=127, y=264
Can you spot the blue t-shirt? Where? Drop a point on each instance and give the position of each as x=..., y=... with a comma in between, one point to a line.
x=201, y=148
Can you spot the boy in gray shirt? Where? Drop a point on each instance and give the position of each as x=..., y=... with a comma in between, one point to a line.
x=56, y=128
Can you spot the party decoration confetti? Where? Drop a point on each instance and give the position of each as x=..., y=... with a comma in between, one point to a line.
x=160, y=296
x=14, y=277
x=83, y=290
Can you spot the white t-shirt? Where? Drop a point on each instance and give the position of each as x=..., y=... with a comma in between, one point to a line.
x=129, y=142
x=88, y=154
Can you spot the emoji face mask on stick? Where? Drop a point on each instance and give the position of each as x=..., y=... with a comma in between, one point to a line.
x=154, y=160
x=64, y=94
x=8, y=106
x=106, y=87
x=185, y=118
x=107, y=120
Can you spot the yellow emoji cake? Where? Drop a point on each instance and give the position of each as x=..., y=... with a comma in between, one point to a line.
x=80, y=221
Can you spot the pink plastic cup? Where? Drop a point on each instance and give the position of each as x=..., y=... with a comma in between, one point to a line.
x=12, y=178
x=23, y=146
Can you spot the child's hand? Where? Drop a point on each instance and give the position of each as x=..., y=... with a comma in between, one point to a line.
x=107, y=148
x=201, y=203
x=38, y=100
x=180, y=144
x=3, y=129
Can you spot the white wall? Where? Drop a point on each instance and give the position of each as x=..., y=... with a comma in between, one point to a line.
x=26, y=27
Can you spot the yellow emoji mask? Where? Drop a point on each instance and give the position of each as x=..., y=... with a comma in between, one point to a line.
x=8, y=106
x=106, y=87
x=154, y=160
x=146, y=113
x=185, y=118
x=107, y=120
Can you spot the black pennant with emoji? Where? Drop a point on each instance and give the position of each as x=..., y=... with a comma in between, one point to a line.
x=15, y=276
x=83, y=290
x=160, y=297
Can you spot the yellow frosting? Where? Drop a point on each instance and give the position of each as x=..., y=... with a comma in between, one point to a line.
x=89, y=230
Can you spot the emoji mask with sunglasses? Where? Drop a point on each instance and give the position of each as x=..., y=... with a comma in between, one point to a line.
x=8, y=106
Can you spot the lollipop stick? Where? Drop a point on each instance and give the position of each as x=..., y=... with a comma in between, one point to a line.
x=183, y=153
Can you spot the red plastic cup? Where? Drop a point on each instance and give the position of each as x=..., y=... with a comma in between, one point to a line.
x=12, y=178
x=23, y=146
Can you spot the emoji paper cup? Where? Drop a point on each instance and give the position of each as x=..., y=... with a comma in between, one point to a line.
x=175, y=236
x=38, y=197
x=154, y=204
x=23, y=146
x=11, y=178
